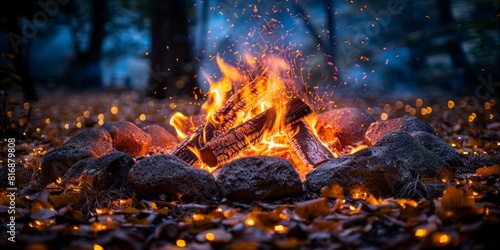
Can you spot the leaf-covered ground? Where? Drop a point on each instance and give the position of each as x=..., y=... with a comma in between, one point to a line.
x=465, y=216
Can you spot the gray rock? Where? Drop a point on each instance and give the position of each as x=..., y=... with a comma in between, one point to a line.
x=439, y=147
x=258, y=178
x=347, y=124
x=168, y=174
x=378, y=130
x=161, y=137
x=128, y=138
x=396, y=165
x=108, y=171
x=98, y=141
x=88, y=143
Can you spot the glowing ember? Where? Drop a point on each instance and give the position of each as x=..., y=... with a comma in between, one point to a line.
x=250, y=222
x=180, y=243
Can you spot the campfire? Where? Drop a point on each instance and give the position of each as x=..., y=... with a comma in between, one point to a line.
x=264, y=166
x=260, y=111
x=263, y=116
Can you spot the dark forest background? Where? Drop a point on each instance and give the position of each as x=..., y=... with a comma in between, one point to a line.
x=166, y=48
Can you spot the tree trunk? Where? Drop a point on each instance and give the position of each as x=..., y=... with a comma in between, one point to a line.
x=454, y=48
x=85, y=71
x=171, y=72
x=19, y=62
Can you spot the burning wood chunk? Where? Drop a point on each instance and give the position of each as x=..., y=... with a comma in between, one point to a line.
x=228, y=145
x=310, y=150
x=240, y=103
x=184, y=149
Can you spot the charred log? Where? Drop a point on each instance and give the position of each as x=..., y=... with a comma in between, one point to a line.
x=240, y=103
x=228, y=145
x=186, y=148
x=307, y=146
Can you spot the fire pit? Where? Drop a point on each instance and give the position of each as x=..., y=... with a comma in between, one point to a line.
x=393, y=174
x=289, y=141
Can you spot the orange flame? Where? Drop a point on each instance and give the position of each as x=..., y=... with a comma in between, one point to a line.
x=177, y=120
x=273, y=69
x=276, y=89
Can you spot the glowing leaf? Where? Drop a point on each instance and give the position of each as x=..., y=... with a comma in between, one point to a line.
x=5, y=201
x=265, y=220
x=137, y=221
x=334, y=191
x=130, y=210
x=325, y=225
x=162, y=211
x=457, y=199
x=63, y=200
x=38, y=205
x=312, y=208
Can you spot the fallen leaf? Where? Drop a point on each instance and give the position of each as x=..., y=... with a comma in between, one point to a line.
x=289, y=243
x=5, y=200
x=63, y=200
x=38, y=205
x=334, y=191
x=312, y=209
x=455, y=199
x=138, y=221
x=129, y=210
x=325, y=225
x=489, y=171
x=43, y=213
x=247, y=245
x=103, y=226
x=265, y=220
x=371, y=200
x=162, y=211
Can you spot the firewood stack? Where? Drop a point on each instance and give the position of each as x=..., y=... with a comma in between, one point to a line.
x=220, y=139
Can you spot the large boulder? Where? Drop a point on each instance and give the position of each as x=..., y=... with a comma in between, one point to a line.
x=348, y=125
x=88, y=143
x=396, y=165
x=378, y=130
x=128, y=138
x=108, y=171
x=169, y=175
x=258, y=178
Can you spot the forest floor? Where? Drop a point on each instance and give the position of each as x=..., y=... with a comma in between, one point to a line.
x=466, y=216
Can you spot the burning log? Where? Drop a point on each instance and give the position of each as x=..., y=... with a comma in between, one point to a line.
x=241, y=102
x=307, y=146
x=226, y=146
x=195, y=141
